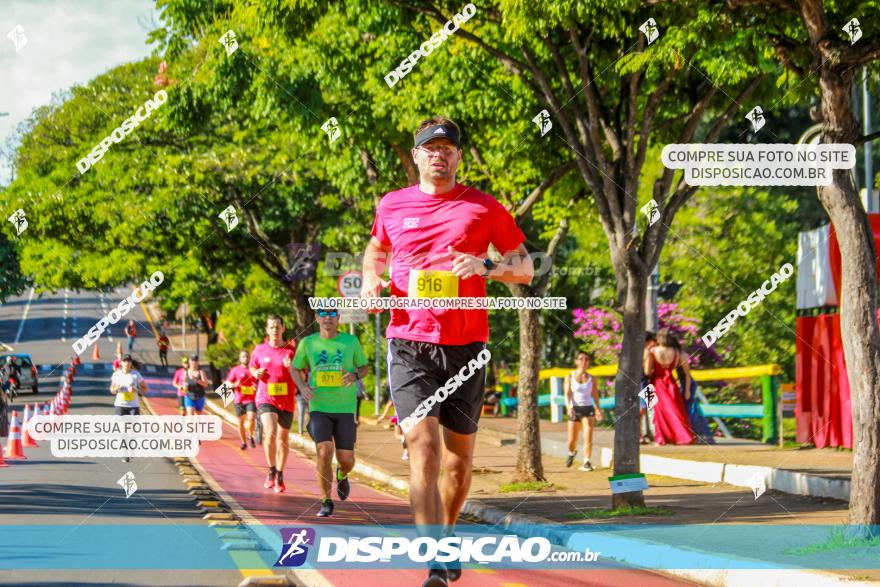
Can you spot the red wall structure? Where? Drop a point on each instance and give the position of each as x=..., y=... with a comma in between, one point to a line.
x=823, y=409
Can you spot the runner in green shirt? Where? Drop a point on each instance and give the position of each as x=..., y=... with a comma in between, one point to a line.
x=335, y=362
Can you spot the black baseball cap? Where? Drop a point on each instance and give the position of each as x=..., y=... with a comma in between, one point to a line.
x=438, y=131
x=126, y=358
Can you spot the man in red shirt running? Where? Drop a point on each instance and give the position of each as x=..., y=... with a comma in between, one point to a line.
x=441, y=225
x=270, y=366
x=163, y=343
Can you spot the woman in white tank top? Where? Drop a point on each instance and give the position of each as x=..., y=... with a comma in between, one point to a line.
x=581, y=402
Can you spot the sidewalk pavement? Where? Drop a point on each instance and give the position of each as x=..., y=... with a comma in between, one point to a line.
x=801, y=471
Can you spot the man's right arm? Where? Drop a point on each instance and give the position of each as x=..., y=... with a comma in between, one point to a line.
x=376, y=259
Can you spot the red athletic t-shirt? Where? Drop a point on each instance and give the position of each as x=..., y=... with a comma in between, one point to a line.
x=276, y=387
x=239, y=377
x=420, y=227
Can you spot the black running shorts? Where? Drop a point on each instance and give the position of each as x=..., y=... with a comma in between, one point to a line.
x=285, y=418
x=581, y=412
x=418, y=369
x=242, y=409
x=326, y=427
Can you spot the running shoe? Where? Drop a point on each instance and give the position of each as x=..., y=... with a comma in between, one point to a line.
x=243, y=446
x=326, y=508
x=253, y=444
x=343, y=487
x=570, y=460
x=453, y=568
x=269, y=483
x=436, y=578
x=587, y=466
x=405, y=456
x=126, y=459
x=279, y=483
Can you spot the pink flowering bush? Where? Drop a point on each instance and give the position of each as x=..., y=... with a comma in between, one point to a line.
x=601, y=332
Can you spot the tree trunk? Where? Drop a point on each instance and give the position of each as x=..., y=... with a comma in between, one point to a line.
x=528, y=457
x=627, y=385
x=208, y=326
x=858, y=303
x=305, y=316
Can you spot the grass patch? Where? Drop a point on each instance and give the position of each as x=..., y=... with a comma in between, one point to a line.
x=528, y=486
x=839, y=540
x=618, y=513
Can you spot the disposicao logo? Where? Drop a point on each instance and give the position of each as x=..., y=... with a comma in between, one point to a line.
x=295, y=548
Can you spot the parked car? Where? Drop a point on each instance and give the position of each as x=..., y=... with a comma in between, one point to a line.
x=29, y=377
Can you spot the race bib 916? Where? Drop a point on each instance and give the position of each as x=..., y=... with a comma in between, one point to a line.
x=432, y=284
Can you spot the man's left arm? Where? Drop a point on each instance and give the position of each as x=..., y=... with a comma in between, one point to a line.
x=515, y=267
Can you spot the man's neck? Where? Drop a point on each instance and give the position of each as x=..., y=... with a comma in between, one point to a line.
x=276, y=343
x=328, y=333
x=436, y=188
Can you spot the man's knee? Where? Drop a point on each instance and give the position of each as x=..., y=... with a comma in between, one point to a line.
x=345, y=458
x=325, y=451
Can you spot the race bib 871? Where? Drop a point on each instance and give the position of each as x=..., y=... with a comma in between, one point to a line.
x=328, y=378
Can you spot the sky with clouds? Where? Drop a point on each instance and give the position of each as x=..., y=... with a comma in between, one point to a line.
x=68, y=42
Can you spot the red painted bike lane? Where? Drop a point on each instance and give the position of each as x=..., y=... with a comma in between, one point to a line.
x=240, y=473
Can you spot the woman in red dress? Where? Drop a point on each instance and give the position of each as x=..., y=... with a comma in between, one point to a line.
x=671, y=424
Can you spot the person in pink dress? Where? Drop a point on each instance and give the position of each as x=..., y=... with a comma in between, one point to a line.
x=671, y=424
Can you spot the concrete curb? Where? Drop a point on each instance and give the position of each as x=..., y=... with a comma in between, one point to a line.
x=783, y=480
x=529, y=526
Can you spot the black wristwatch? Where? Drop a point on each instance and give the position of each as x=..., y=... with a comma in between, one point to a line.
x=489, y=265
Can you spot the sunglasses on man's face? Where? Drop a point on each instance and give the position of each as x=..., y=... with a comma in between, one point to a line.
x=326, y=313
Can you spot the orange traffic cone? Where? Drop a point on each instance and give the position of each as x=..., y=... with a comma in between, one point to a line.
x=2, y=464
x=14, y=449
x=96, y=354
x=26, y=439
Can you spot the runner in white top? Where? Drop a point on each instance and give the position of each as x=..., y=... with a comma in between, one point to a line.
x=581, y=401
x=127, y=384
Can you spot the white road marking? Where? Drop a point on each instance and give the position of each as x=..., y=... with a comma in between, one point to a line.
x=24, y=317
